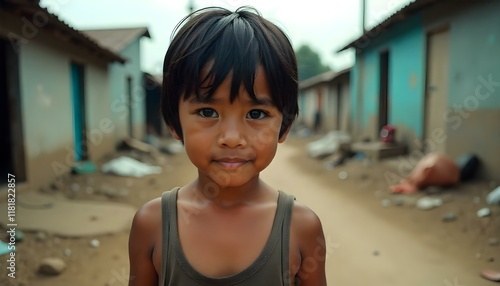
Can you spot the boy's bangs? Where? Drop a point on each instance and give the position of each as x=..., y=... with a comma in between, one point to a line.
x=234, y=52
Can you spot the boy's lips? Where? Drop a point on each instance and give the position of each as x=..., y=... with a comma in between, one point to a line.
x=231, y=163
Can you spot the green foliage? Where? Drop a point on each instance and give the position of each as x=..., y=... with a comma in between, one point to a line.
x=309, y=63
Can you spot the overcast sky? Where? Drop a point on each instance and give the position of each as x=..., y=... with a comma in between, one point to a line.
x=325, y=25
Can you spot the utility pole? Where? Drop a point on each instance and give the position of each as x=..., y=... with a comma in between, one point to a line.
x=190, y=6
x=363, y=15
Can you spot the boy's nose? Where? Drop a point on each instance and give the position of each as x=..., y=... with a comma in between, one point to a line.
x=231, y=134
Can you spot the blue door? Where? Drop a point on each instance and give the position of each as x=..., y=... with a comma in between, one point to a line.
x=77, y=93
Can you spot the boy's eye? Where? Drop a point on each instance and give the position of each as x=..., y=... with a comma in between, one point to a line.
x=208, y=112
x=256, y=114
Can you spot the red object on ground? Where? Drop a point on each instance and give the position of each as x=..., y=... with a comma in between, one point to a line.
x=387, y=134
x=434, y=169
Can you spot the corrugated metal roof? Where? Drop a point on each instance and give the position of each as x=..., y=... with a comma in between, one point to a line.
x=117, y=39
x=30, y=7
x=322, y=78
x=399, y=16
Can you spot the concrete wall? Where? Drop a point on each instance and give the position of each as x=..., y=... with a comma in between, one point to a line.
x=309, y=102
x=474, y=99
x=46, y=102
x=120, y=102
x=406, y=46
x=473, y=115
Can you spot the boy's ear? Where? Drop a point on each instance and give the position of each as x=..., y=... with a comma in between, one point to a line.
x=174, y=133
x=284, y=135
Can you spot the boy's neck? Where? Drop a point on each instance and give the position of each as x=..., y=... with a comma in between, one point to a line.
x=227, y=197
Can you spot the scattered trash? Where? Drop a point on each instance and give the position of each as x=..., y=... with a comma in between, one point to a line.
x=493, y=241
x=484, y=212
x=328, y=144
x=434, y=169
x=490, y=274
x=126, y=166
x=95, y=243
x=85, y=167
x=52, y=266
x=386, y=203
x=427, y=203
x=449, y=217
x=19, y=235
x=343, y=175
x=468, y=164
x=335, y=163
x=67, y=252
x=493, y=197
x=41, y=236
x=4, y=248
x=112, y=192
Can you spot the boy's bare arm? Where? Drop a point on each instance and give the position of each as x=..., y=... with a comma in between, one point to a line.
x=312, y=247
x=141, y=243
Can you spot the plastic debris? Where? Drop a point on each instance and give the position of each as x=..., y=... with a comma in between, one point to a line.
x=343, y=175
x=94, y=243
x=449, y=217
x=126, y=166
x=4, y=248
x=484, y=212
x=493, y=198
x=427, y=203
x=328, y=144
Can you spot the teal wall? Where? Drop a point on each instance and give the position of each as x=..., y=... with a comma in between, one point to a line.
x=475, y=57
x=406, y=46
x=119, y=102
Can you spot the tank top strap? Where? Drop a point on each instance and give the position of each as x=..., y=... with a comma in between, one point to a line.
x=287, y=206
x=169, y=219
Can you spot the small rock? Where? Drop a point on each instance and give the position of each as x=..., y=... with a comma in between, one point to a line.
x=67, y=252
x=449, y=217
x=19, y=235
x=52, y=266
x=493, y=241
x=376, y=253
x=41, y=236
x=113, y=192
x=343, y=175
x=491, y=259
x=94, y=243
x=57, y=185
x=89, y=190
x=478, y=255
x=484, y=212
x=386, y=203
x=75, y=187
x=427, y=203
x=477, y=200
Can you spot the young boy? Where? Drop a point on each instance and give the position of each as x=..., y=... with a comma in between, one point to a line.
x=230, y=95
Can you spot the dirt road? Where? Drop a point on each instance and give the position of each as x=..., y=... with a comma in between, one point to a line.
x=371, y=245
x=368, y=244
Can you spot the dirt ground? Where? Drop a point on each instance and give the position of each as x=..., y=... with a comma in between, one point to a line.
x=373, y=237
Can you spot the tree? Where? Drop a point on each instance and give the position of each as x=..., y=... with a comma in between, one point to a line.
x=309, y=62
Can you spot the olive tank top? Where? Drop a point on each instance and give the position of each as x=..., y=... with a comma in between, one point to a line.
x=271, y=268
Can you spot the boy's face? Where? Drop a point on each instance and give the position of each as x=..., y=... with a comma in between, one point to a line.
x=231, y=143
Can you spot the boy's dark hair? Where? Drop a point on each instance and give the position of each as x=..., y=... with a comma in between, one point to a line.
x=212, y=43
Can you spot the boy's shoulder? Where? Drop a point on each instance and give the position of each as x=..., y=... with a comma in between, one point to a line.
x=148, y=217
x=305, y=221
